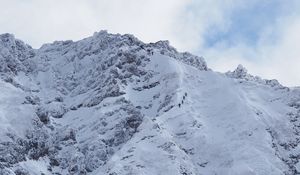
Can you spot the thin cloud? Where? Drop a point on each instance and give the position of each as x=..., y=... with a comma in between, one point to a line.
x=38, y=21
x=274, y=54
x=216, y=29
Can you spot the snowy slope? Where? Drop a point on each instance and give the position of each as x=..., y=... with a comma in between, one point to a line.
x=111, y=104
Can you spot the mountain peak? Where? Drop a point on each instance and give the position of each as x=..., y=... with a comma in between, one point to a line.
x=6, y=37
x=240, y=72
x=111, y=104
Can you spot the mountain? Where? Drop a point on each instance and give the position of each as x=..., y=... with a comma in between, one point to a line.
x=111, y=104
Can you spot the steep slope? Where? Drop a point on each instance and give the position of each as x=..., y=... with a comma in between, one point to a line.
x=111, y=104
x=222, y=126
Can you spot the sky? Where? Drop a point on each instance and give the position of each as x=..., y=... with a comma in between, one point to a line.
x=262, y=35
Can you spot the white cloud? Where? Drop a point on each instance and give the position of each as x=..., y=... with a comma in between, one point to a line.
x=276, y=55
x=40, y=21
x=282, y=60
x=183, y=22
x=37, y=21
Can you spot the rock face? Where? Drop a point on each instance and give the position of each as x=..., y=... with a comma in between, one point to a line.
x=239, y=72
x=111, y=104
x=13, y=54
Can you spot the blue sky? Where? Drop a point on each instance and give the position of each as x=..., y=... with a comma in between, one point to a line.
x=246, y=24
x=260, y=34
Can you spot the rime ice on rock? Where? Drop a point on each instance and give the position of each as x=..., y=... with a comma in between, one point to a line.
x=111, y=104
x=239, y=72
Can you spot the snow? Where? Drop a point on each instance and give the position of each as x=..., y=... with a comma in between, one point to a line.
x=228, y=140
x=36, y=167
x=15, y=118
x=111, y=104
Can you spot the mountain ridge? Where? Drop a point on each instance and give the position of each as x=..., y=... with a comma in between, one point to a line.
x=111, y=104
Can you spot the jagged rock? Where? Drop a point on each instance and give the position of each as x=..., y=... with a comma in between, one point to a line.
x=43, y=115
x=13, y=54
x=67, y=134
x=121, y=106
x=4, y=171
x=32, y=100
x=12, y=152
x=239, y=72
x=96, y=154
x=38, y=143
x=21, y=171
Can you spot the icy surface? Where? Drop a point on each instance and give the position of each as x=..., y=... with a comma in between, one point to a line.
x=111, y=104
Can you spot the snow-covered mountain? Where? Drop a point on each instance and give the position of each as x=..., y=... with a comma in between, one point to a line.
x=113, y=105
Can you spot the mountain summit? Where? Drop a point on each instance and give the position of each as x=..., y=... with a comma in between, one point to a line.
x=111, y=104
